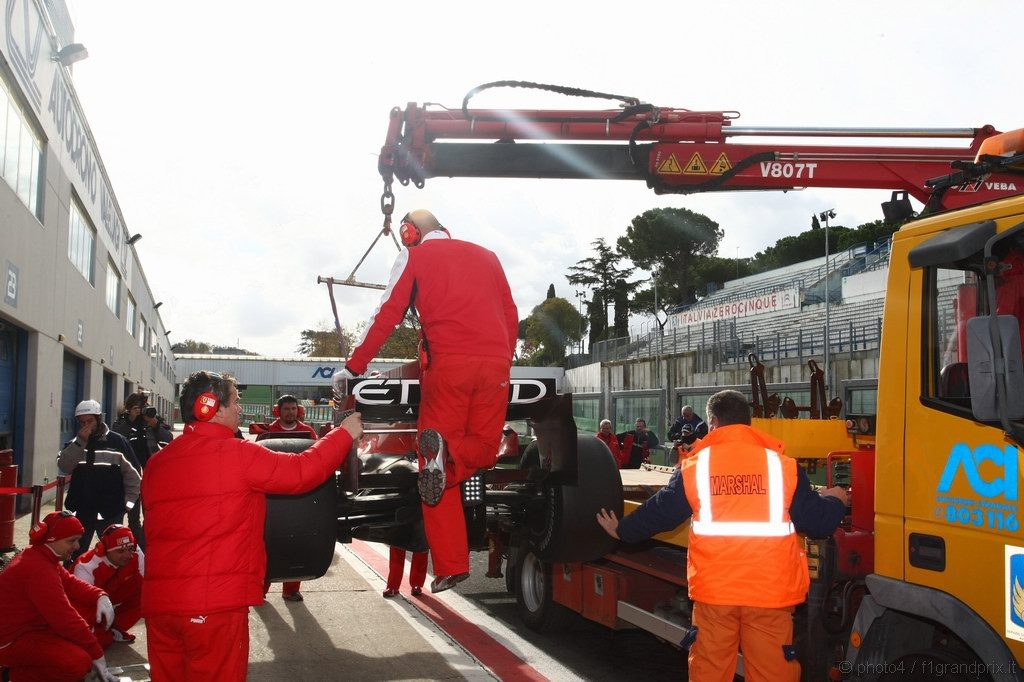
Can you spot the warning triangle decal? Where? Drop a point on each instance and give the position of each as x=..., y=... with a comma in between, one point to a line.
x=670, y=166
x=696, y=166
x=721, y=165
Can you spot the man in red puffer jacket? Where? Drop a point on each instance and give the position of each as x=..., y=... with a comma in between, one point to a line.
x=208, y=487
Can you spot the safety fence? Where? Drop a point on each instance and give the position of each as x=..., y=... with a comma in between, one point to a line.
x=9, y=500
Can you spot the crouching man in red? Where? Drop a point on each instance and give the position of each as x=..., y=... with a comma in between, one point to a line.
x=116, y=565
x=209, y=488
x=42, y=635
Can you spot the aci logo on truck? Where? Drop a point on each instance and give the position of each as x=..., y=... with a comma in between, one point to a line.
x=979, y=511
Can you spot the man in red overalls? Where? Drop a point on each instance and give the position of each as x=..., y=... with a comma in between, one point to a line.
x=469, y=329
x=116, y=565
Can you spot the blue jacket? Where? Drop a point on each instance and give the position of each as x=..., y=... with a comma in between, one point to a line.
x=697, y=426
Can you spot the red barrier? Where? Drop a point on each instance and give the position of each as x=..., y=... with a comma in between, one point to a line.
x=8, y=477
x=11, y=493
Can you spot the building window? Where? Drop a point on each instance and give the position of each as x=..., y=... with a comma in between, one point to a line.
x=585, y=412
x=113, y=289
x=630, y=408
x=129, y=316
x=143, y=331
x=82, y=243
x=21, y=156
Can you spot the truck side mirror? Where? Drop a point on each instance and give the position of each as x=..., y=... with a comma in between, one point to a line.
x=983, y=367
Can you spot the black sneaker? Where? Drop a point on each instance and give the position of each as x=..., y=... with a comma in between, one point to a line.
x=431, y=480
x=446, y=582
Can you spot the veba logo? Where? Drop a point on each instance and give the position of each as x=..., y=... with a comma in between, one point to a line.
x=961, y=456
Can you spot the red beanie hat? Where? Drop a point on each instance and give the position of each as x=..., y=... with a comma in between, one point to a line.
x=116, y=536
x=56, y=526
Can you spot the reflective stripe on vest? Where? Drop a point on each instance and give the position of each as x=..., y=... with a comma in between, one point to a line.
x=774, y=527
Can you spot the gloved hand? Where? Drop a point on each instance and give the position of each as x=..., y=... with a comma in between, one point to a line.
x=100, y=666
x=104, y=612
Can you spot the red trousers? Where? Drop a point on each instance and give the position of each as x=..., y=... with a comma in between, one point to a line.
x=198, y=648
x=396, y=569
x=287, y=588
x=760, y=633
x=464, y=398
x=126, y=614
x=45, y=657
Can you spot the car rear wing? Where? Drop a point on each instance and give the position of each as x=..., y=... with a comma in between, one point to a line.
x=394, y=398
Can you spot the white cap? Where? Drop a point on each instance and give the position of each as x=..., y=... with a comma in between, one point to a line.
x=88, y=407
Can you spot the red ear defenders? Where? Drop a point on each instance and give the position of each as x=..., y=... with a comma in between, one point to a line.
x=205, y=407
x=41, y=528
x=409, y=233
x=101, y=546
x=302, y=411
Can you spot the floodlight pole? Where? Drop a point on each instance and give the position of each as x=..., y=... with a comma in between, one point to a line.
x=825, y=215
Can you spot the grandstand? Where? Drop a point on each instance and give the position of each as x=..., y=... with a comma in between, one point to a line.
x=775, y=314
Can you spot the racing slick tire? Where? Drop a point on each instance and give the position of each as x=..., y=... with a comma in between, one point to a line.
x=300, y=530
x=567, y=530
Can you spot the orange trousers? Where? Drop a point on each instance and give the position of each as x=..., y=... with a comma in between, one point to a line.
x=199, y=648
x=464, y=398
x=760, y=633
x=396, y=568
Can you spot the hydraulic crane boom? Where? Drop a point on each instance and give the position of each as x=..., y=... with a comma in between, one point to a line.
x=679, y=151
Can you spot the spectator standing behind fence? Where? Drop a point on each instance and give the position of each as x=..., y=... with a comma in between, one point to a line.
x=206, y=507
x=104, y=484
x=688, y=418
x=637, y=444
x=607, y=436
x=116, y=565
x=42, y=634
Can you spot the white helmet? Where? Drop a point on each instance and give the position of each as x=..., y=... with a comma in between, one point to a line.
x=88, y=407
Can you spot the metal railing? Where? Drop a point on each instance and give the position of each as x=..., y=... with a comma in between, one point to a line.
x=724, y=346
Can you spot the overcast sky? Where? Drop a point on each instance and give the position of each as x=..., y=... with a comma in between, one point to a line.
x=241, y=138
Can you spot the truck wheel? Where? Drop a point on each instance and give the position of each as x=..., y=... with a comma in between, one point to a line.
x=568, y=531
x=300, y=530
x=533, y=594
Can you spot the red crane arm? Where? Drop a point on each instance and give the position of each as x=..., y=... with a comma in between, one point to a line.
x=674, y=151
